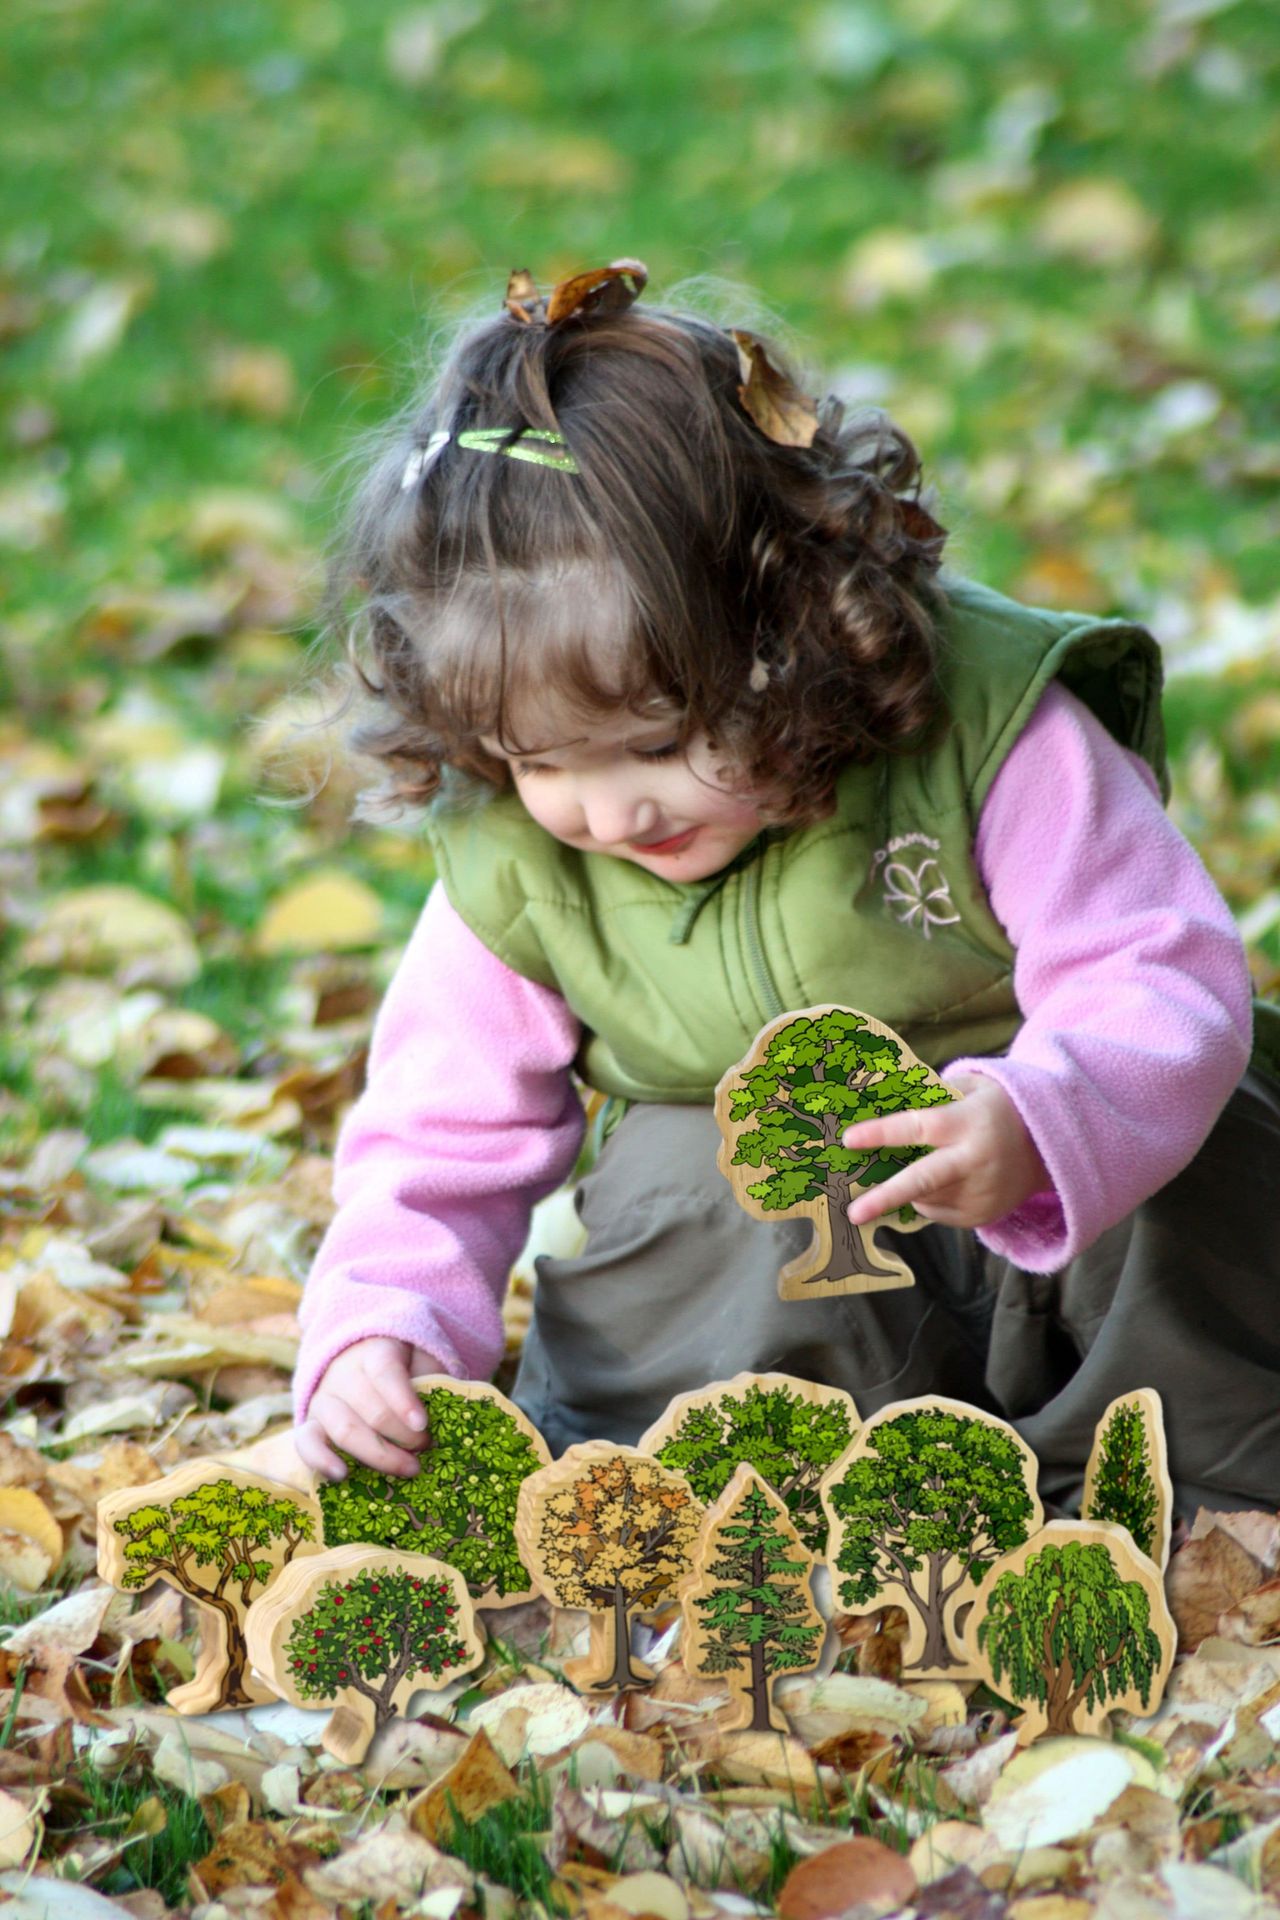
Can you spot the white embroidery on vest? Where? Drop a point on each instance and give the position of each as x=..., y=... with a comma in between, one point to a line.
x=918, y=896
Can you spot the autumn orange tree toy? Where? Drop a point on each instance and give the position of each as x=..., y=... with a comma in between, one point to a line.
x=749, y=1612
x=219, y=1535
x=1073, y=1625
x=929, y=1495
x=789, y=1431
x=362, y=1629
x=460, y=1504
x=783, y=1110
x=608, y=1529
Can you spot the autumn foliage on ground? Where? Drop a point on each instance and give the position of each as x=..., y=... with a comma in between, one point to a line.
x=1044, y=238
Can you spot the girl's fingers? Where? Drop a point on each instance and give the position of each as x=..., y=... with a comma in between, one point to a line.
x=917, y=1127
x=913, y=1184
x=315, y=1452
x=345, y=1428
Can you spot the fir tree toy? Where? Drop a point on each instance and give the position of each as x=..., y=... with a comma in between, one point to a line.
x=782, y=1111
x=749, y=1612
x=1127, y=1478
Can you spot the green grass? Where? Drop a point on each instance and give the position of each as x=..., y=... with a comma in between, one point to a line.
x=160, y=1861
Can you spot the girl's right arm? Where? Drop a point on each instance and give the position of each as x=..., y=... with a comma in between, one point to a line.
x=469, y=1117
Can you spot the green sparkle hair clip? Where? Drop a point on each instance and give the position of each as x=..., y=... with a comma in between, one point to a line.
x=530, y=445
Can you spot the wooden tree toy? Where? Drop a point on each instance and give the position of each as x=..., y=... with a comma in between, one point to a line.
x=790, y=1431
x=608, y=1529
x=929, y=1495
x=460, y=1506
x=219, y=1535
x=748, y=1611
x=1072, y=1625
x=782, y=1111
x=1127, y=1478
x=362, y=1629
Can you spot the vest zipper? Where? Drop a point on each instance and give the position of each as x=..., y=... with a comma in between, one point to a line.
x=765, y=986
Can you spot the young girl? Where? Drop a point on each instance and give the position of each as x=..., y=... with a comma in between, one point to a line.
x=708, y=735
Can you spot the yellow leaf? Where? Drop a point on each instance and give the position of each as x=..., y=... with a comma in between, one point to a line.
x=17, y=1830
x=24, y=1512
x=329, y=909
x=1100, y=222
x=115, y=928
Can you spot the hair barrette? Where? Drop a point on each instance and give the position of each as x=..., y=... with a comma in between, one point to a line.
x=528, y=444
x=421, y=459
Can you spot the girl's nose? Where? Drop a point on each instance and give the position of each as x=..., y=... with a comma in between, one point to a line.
x=615, y=815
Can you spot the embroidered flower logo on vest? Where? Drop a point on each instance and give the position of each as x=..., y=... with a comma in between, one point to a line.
x=917, y=896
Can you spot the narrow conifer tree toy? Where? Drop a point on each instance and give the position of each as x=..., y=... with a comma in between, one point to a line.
x=220, y=1535
x=1127, y=1479
x=606, y=1528
x=362, y=1629
x=748, y=1609
x=783, y=1110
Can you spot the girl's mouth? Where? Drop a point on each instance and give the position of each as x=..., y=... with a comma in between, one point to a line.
x=676, y=844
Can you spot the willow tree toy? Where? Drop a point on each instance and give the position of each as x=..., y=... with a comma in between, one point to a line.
x=782, y=1111
x=219, y=1535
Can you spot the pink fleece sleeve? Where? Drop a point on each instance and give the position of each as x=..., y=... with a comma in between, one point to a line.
x=469, y=1117
x=1130, y=975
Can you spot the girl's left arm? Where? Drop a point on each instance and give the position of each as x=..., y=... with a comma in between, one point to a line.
x=1131, y=978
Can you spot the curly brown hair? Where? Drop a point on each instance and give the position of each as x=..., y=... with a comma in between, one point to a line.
x=783, y=598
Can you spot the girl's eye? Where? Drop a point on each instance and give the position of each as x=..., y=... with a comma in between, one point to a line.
x=533, y=766
x=657, y=753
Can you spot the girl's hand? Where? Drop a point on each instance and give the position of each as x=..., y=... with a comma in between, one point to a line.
x=365, y=1405
x=984, y=1162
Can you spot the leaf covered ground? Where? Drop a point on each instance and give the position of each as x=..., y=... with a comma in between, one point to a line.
x=1046, y=238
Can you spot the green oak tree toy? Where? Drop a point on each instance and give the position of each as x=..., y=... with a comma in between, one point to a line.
x=931, y=1492
x=460, y=1506
x=782, y=1111
x=750, y=1613
x=1072, y=1626
x=219, y=1535
x=789, y=1431
x=1127, y=1478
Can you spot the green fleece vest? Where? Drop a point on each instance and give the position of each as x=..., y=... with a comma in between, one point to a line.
x=879, y=906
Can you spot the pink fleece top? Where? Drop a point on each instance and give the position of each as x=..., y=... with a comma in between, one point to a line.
x=1129, y=974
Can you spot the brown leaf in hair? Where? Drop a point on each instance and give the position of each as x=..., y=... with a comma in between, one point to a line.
x=610, y=289
x=788, y=417
x=522, y=300
x=918, y=524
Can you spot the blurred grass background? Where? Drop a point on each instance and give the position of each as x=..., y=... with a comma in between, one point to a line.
x=1045, y=236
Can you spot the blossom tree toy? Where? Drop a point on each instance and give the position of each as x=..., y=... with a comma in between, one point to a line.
x=929, y=1495
x=749, y=1611
x=608, y=1529
x=362, y=1629
x=460, y=1505
x=789, y=1431
x=1127, y=1478
x=783, y=1110
x=1072, y=1625
x=219, y=1535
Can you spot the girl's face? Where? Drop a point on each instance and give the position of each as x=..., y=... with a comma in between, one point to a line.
x=623, y=784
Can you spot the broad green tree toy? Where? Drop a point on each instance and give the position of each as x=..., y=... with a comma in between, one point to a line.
x=608, y=1529
x=362, y=1629
x=749, y=1612
x=1072, y=1625
x=782, y=1111
x=929, y=1495
x=1127, y=1478
x=790, y=1431
x=219, y=1535
x=460, y=1506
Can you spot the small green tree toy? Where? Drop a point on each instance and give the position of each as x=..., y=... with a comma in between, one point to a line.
x=460, y=1506
x=364, y=1629
x=930, y=1493
x=789, y=1431
x=750, y=1613
x=219, y=1535
x=1074, y=1624
x=608, y=1529
x=1127, y=1478
x=783, y=1110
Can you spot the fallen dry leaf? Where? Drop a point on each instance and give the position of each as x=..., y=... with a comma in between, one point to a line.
x=326, y=911
x=782, y=412
x=476, y=1781
x=1206, y=1578
x=860, y=1873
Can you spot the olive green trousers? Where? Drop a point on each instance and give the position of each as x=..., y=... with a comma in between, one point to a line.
x=677, y=1287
